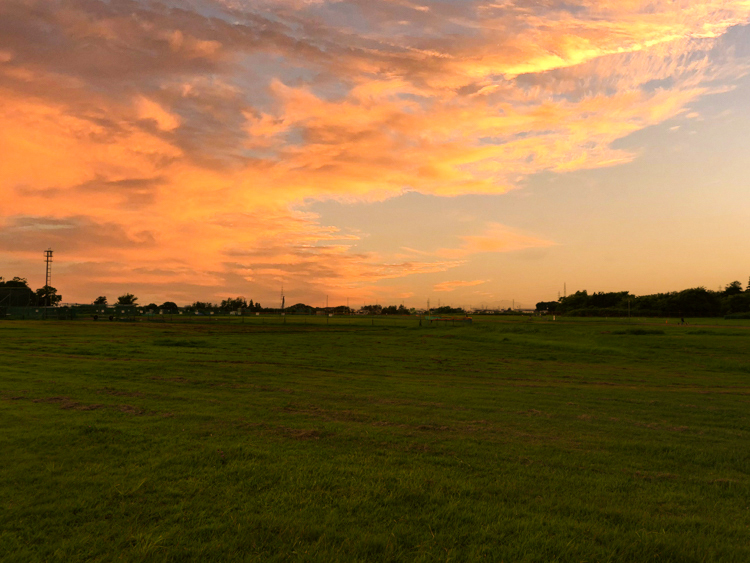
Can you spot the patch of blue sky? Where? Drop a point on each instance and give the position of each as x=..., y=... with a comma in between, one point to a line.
x=330, y=89
x=737, y=38
x=259, y=69
x=503, y=139
x=712, y=115
x=343, y=16
x=392, y=21
x=202, y=7
x=573, y=9
x=658, y=84
x=424, y=102
x=261, y=154
x=294, y=137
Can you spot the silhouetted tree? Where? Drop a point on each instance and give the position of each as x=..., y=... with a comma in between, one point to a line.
x=739, y=303
x=373, y=309
x=101, y=300
x=300, y=309
x=200, y=306
x=733, y=288
x=230, y=304
x=549, y=306
x=15, y=282
x=127, y=299
x=446, y=310
x=579, y=300
x=47, y=296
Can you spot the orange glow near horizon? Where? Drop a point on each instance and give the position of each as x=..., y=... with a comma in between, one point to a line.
x=177, y=153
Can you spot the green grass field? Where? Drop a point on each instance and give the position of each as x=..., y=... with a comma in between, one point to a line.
x=506, y=440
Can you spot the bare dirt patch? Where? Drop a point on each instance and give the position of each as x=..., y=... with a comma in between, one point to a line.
x=68, y=403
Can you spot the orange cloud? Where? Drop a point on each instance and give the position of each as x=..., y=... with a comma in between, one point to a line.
x=495, y=238
x=453, y=285
x=166, y=148
x=148, y=109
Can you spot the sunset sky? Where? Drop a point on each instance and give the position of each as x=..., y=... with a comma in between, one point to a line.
x=382, y=151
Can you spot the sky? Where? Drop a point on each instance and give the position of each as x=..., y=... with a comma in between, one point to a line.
x=473, y=153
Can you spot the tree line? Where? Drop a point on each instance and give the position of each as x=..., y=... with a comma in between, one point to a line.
x=733, y=300
x=18, y=294
x=232, y=304
x=227, y=305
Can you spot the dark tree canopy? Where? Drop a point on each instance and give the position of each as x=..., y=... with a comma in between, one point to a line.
x=733, y=288
x=549, y=306
x=127, y=299
x=373, y=309
x=693, y=302
x=233, y=304
x=15, y=282
x=446, y=310
x=47, y=296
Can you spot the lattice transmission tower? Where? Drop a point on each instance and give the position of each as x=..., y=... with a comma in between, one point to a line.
x=48, y=258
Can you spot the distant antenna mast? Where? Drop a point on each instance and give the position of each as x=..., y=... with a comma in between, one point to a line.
x=282, y=297
x=47, y=278
x=565, y=289
x=48, y=258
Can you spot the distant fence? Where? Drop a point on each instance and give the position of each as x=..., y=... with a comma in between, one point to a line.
x=65, y=312
x=38, y=313
x=131, y=313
